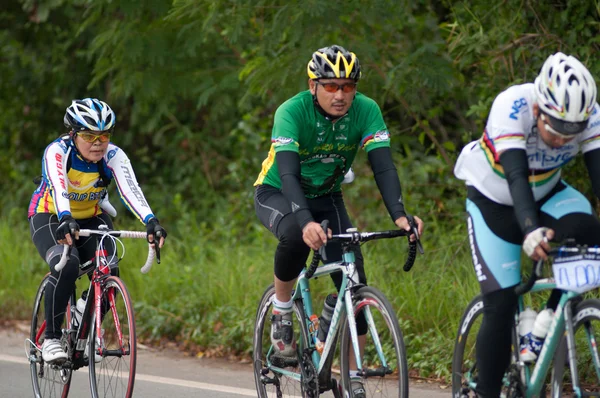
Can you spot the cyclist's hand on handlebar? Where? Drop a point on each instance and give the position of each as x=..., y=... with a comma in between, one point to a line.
x=403, y=224
x=536, y=244
x=153, y=228
x=313, y=235
x=67, y=229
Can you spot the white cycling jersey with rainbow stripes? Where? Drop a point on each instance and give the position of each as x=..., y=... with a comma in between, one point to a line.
x=512, y=125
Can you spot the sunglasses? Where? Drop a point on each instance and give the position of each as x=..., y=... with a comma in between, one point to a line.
x=334, y=87
x=568, y=129
x=92, y=137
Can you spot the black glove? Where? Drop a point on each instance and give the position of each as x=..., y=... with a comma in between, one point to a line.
x=154, y=228
x=68, y=225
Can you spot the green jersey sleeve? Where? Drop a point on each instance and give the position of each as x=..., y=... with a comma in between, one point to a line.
x=285, y=134
x=375, y=133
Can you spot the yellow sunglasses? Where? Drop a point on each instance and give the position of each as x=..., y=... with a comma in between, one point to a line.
x=92, y=137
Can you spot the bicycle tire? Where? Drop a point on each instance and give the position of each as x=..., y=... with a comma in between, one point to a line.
x=464, y=362
x=463, y=358
x=114, y=374
x=47, y=380
x=261, y=343
x=369, y=299
x=584, y=314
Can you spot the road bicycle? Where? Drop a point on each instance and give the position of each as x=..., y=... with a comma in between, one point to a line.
x=381, y=365
x=106, y=328
x=570, y=347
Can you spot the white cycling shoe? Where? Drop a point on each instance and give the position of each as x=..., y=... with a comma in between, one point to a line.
x=52, y=351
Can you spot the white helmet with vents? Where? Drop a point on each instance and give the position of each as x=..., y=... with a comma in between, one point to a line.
x=89, y=114
x=566, y=92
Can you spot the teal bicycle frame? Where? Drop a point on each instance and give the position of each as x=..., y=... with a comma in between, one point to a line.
x=302, y=291
x=353, y=296
x=562, y=324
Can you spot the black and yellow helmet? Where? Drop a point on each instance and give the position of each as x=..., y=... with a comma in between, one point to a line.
x=333, y=62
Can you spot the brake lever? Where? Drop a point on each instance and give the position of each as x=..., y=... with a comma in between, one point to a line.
x=325, y=226
x=157, y=237
x=415, y=231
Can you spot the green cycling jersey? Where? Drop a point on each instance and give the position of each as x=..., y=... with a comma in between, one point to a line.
x=327, y=149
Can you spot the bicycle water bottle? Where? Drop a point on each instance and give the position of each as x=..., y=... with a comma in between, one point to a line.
x=526, y=321
x=78, y=309
x=535, y=339
x=325, y=321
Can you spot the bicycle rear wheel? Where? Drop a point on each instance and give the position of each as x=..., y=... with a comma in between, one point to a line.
x=270, y=382
x=586, y=320
x=384, y=358
x=48, y=380
x=113, y=355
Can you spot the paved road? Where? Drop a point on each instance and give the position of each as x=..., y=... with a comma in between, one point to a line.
x=160, y=374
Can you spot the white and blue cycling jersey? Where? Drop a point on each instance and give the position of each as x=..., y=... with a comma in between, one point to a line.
x=512, y=125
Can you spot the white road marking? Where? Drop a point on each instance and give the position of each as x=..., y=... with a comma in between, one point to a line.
x=162, y=380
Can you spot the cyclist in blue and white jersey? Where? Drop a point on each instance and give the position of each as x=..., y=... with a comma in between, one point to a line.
x=516, y=197
x=76, y=169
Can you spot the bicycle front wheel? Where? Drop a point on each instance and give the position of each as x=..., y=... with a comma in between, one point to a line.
x=272, y=382
x=586, y=321
x=384, y=356
x=48, y=380
x=464, y=369
x=114, y=352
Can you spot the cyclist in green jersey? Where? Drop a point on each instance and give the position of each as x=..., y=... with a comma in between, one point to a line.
x=316, y=135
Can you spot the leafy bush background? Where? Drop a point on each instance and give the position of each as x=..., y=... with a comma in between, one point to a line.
x=195, y=83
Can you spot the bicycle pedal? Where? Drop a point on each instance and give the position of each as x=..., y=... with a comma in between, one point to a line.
x=267, y=380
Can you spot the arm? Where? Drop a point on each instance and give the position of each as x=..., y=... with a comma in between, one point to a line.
x=387, y=181
x=127, y=185
x=288, y=163
x=516, y=170
x=592, y=162
x=54, y=170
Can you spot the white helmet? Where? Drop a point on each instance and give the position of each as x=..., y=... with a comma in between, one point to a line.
x=89, y=114
x=566, y=92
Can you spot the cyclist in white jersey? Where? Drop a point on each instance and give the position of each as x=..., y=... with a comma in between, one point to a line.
x=516, y=197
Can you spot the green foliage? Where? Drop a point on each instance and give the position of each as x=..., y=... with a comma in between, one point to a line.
x=195, y=83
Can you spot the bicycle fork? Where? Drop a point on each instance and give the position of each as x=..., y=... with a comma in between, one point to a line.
x=570, y=335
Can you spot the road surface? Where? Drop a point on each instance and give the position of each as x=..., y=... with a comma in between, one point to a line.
x=160, y=373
